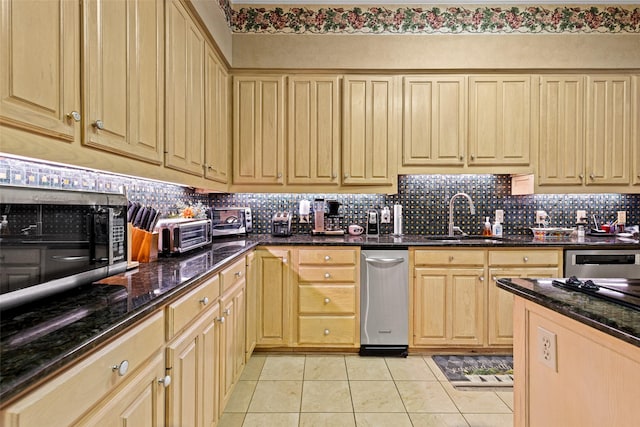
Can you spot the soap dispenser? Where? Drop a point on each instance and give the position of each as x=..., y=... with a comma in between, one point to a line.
x=496, y=230
x=486, y=231
x=4, y=225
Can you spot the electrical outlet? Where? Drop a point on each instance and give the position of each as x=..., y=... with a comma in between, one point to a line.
x=541, y=217
x=500, y=216
x=547, y=348
x=581, y=215
x=385, y=216
x=622, y=217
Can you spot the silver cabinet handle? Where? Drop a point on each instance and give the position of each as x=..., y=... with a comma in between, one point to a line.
x=525, y=259
x=327, y=275
x=98, y=124
x=581, y=176
x=284, y=260
x=385, y=260
x=591, y=176
x=204, y=301
x=327, y=332
x=227, y=311
x=327, y=257
x=481, y=278
x=327, y=300
x=74, y=115
x=219, y=319
x=122, y=368
x=166, y=381
x=494, y=278
x=238, y=273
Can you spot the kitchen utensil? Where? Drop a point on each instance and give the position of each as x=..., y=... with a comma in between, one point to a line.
x=149, y=219
x=133, y=211
x=139, y=216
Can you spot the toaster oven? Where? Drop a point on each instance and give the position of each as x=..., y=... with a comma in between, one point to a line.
x=227, y=221
x=179, y=235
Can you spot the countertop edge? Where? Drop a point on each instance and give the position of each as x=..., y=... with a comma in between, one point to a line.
x=565, y=309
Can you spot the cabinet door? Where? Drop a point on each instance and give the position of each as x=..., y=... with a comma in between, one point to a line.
x=608, y=127
x=258, y=130
x=448, y=306
x=499, y=120
x=123, y=66
x=274, y=282
x=193, y=361
x=369, y=128
x=313, y=130
x=185, y=91
x=217, y=118
x=635, y=123
x=232, y=340
x=251, y=306
x=561, y=130
x=434, y=121
x=139, y=403
x=500, y=304
x=40, y=75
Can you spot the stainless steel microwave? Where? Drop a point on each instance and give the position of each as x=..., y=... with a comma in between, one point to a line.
x=228, y=221
x=53, y=240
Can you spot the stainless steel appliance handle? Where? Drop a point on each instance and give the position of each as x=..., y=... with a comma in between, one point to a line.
x=385, y=260
x=62, y=258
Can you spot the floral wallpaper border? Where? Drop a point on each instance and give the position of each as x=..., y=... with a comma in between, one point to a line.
x=433, y=20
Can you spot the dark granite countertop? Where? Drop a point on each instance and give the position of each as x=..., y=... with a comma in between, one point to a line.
x=614, y=319
x=40, y=338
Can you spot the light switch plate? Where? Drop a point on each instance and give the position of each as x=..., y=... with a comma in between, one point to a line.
x=580, y=215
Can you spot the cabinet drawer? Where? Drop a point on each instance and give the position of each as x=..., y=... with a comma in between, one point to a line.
x=181, y=312
x=233, y=274
x=449, y=257
x=19, y=256
x=327, y=274
x=326, y=330
x=525, y=257
x=327, y=256
x=64, y=398
x=327, y=299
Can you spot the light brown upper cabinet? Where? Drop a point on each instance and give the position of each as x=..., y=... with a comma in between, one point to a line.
x=369, y=130
x=217, y=130
x=185, y=91
x=499, y=120
x=608, y=129
x=584, y=130
x=561, y=130
x=635, y=136
x=40, y=75
x=258, y=129
x=313, y=130
x=434, y=121
x=123, y=73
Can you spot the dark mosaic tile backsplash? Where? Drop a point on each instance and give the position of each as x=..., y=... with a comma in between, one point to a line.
x=424, y=199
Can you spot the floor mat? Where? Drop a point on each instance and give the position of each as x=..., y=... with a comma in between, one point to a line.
x=477, y=370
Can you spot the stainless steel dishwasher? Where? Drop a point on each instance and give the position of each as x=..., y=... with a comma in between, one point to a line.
x=384, y=302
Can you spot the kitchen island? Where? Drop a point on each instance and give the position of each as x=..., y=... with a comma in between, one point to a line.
x=576, y=357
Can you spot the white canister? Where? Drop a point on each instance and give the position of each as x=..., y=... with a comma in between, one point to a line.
x=397, y=220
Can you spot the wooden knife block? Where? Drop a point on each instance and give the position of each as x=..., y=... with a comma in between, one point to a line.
x=143, y=245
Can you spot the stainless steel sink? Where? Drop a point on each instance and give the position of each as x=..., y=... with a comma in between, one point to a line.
x=466, y=239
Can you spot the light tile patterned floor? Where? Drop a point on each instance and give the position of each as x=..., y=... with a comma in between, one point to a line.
x=350, y=391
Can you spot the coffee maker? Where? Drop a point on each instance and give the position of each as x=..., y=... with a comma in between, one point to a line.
x=373, y=222
x=326, y=223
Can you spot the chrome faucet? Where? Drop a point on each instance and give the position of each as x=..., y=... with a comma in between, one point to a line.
x=472, y=209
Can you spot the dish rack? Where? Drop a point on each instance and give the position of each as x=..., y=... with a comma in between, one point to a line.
x=547, y=233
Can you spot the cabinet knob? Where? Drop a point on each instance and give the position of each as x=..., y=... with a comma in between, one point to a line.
x=98, y=124
x=481, y=278
x=581, y=176
x=525, y=259
x=327, y=275
x=592, y=176
x=279, y=175
x=327, y=257
x=122, y=368
x=346, y=176
x=238, y=273
x=166, y=381
x=284, y=260
x=327, y=300
x=74, y=115
x=473, y=157
x=204, y=301
x=334, y=175
x=494, y=278
x=450, y=258
x=327, y=332
x=219, y=319
x=227, y=311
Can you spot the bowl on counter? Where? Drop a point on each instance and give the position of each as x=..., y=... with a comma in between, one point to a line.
x=548, y=233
